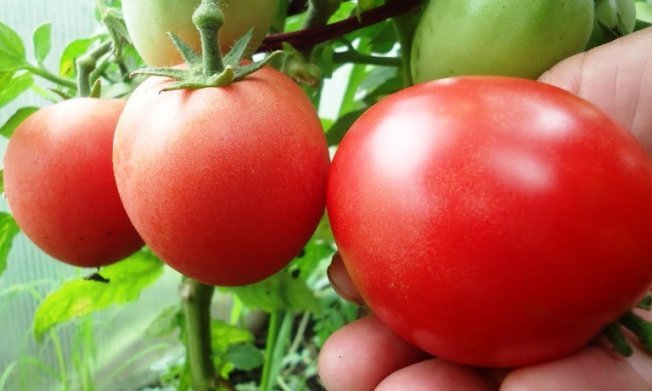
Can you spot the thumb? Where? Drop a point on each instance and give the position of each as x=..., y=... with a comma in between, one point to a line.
x=616, y=78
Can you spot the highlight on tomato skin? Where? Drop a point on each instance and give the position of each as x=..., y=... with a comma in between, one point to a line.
x=493, y=221
x=226, y=185
x=60, y=187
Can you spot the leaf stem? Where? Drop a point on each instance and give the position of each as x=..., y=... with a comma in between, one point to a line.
x=46, y=74
x=195, y=301
x=359, y=58
x=309, y=37
x=86, y=64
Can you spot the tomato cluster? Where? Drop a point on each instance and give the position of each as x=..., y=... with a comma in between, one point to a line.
x=492, y=221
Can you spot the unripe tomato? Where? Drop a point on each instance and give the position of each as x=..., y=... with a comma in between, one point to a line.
x=493, y=221
x=498, y=37
x=149, y=21
x=60, y=186
x=225, y=184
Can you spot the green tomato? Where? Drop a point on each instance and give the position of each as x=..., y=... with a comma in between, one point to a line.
x=498, y=37
x=613, y=19
x=149, y=21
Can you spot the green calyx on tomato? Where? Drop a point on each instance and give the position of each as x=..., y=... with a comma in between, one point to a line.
x=149, y=22
x=209, y=69
x=498, y=37
x=493, y=221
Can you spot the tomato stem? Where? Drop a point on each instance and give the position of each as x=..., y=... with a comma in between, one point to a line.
x=209, y=19
x=196, y=301
x=210, y=69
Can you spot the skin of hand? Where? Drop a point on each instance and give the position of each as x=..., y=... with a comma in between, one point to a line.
x=364, y=355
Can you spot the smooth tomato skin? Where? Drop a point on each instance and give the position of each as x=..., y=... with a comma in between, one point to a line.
x=225, y=184
x=498, y=37
x=60, y=186
x=492, y=221
x=149, y=21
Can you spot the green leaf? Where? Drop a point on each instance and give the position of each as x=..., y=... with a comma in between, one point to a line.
x=74, y=49
x=15, y=87
x=245, y=356
x=7, y=130
x=339, y=128
x=8, y=231
x=166, y=323
x=365, y=5
x=225, y=335
x=77, y=298
x=42, y=39
x=12, y=49
x=283, y=291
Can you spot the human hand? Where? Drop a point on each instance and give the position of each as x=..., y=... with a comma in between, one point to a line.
x=365, y=355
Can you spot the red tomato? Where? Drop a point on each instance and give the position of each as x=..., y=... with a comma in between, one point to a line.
x=225, y=184
x=60, y=186
x=493, y=221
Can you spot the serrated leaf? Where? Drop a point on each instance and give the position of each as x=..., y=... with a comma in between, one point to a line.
x=42, y=39
x=15, y=88
x=245, y=356
x=7, y=130
x=73, y=50
x=8, y=231
x=77, y=298
x=282, y=291
x=12, y=49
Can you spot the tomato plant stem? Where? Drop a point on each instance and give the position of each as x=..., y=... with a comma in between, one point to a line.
x=272, y=333
x=404, y=27
x=209, y=18
x=44, y=73
x=196, y=300
x=86, y=64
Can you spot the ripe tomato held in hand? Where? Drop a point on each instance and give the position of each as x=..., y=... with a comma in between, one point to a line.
x=149, y=21
x=493, y=221
x=60, y=186
x=225, y=184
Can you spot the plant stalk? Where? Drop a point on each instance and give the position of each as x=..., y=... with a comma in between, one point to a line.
x=86, y=64
x=196, y=301
x=208, y=19
x=44, y=73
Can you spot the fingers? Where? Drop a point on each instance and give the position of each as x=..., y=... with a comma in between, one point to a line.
x=590, y=369
x=615, y=77
x=360, y=355
x=437, y=374
x=341, y=281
